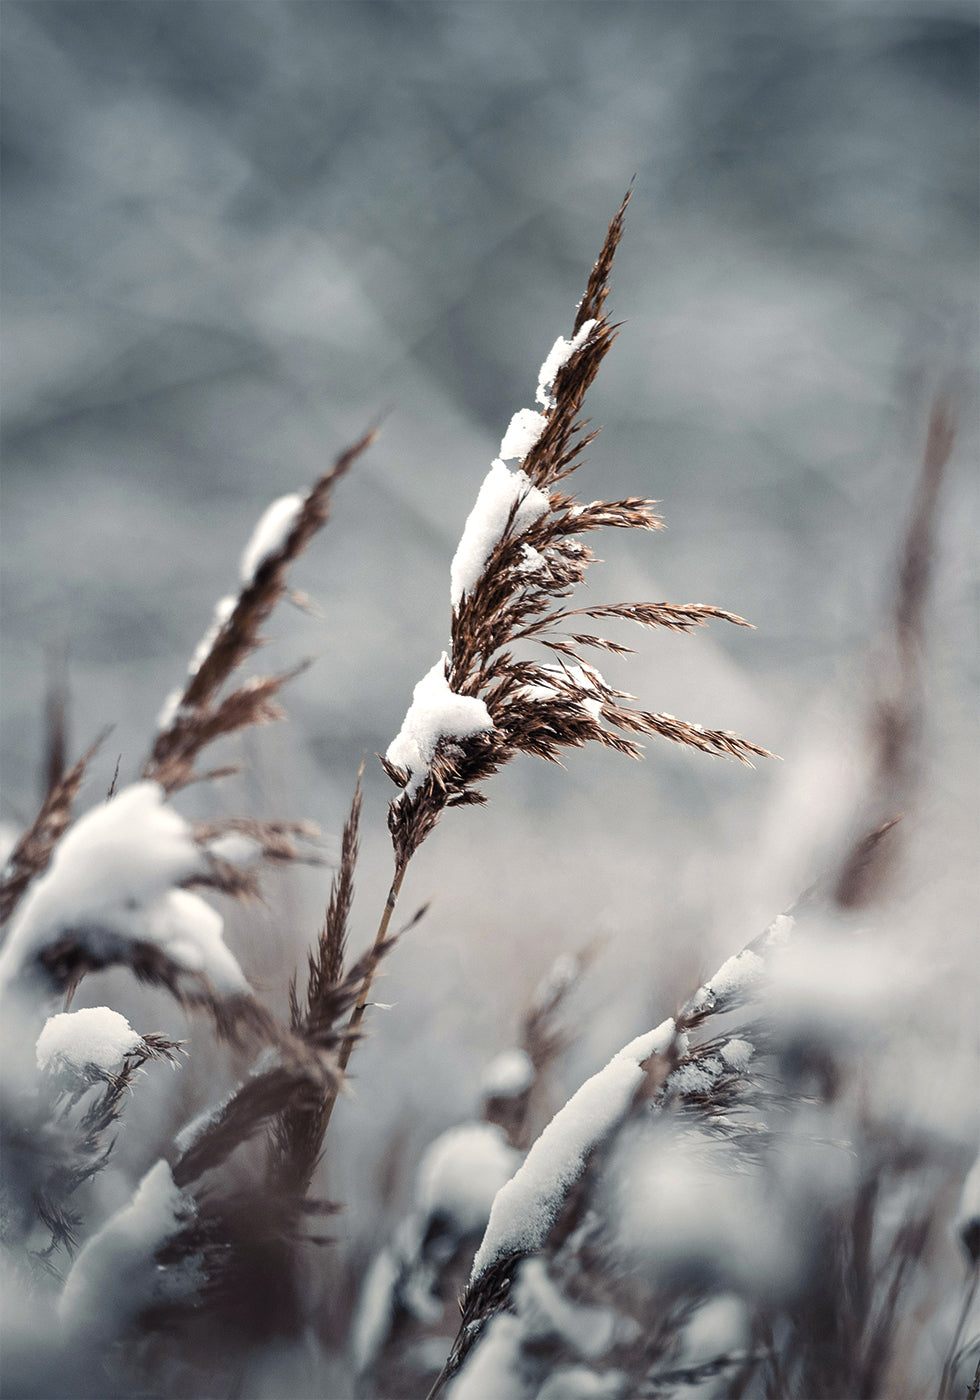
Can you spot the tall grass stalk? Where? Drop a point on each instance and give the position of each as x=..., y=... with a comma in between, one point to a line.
x=594, y=1254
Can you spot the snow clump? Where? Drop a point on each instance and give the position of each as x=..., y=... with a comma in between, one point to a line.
x=696, y=1077
x=735, y=979
x=526, y=1208
x=115, y=1275
x=223, y=610
x=461, y=1173
x=485, y=525
x=111, y=883
x=510, y=1074
x=95, y=1038
x=737, y=1053
x=237, y=849
x=523, y=431
x=558, y=356
x=436, y=712
x=270, y=534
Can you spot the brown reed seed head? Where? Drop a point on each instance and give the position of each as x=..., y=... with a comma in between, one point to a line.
x=542, y=707
x=297, y=1135
x=199, y=718
x=326, y=962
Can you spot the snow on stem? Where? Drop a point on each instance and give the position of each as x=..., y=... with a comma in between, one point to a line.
x=436, y=713
x=94, y=1040
x=116, y=1275
x=113, y=887
x=504, y=496
x=526, y=1208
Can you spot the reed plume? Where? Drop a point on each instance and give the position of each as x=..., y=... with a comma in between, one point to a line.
x=518, y=559
x=194, y=716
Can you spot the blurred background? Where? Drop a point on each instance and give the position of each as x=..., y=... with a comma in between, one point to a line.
x=236, y=234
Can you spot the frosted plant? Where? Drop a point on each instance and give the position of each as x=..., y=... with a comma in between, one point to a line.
x=407, y=1314
x=518, y=560
x=731, y=1206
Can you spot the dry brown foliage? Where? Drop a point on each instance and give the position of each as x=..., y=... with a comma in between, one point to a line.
x=200, y=717
x=846, y=1327
x=539, y=708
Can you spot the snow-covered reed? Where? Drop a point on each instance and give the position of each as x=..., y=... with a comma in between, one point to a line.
x=730, y=1208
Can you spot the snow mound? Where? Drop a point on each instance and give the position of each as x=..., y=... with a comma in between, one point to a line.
x=115, y=1275
x=558, y=356
x=436, y=712
x=526, y=1208
x=487, y=521
x=509, y=1074
x=93, y=1038
x=461, y=1173
x=111, y=882
x=270, y=534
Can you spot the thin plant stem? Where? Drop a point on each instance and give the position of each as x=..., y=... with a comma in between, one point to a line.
x=357, y=1015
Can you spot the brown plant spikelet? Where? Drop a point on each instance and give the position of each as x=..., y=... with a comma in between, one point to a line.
x=539, y=708
x=199, y=718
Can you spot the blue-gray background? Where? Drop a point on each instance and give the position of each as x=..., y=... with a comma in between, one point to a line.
x=236, y=233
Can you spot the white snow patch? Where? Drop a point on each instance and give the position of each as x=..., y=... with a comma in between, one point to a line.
x=115, y=1275
x=679, y=1204
x=189, y=931
x=169, y=708
x=493, y=1370
x=197, y=1126
x=737, y=974
x=223, y=610
x=780, y=930
x=737, y=1053
x=697, y=1077
x=546, y=1311
x=559, y=354
x=734, y=978
x=436, y=712
x=110, y=882
x=510, y=1074
x=532, y=560
x=523, y=431
x=95, y=1037
x=461, y=1173
x=525, y=1209
x=237, y=849
x=270, y=534
x=375, y=1311
x=486, y=523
